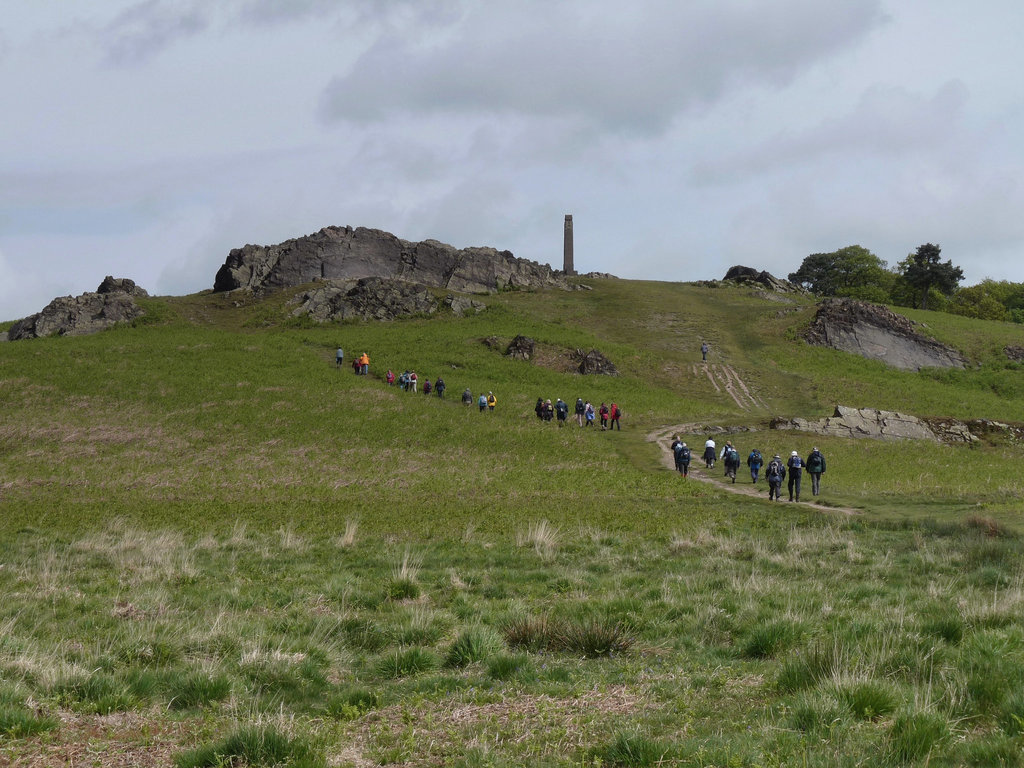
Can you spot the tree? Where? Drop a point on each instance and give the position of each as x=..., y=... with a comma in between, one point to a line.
x=923, y=271
x=850, y=271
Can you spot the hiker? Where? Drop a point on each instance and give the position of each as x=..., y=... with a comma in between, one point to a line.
x=355, y=365
x=561, y=412
x=615, y=413
x=427, y=388
x=390, y=378
x=491, y=401
x=581, y=409
x=775, y=473
x=339, y=357
x=539, y=408
x=815, y=468
x=440, y=387
x=681, y=453
x=731, y=457
x=754, y=461
x=412, y=382
x=364, y=364
x=482, y=402
x=796, y=469
x=704, y=348
x=467, y=397
x=709, y=453
x=603, y=412
x=588, y=413
x=549, y=410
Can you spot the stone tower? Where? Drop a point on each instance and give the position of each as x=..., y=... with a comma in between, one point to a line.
x=567, y=265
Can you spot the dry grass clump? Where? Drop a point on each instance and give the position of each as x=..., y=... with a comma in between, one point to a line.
x=542, y=536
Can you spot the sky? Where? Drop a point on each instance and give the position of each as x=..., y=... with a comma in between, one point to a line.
x=146, y=139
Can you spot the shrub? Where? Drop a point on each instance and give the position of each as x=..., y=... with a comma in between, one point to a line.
x=914, y=734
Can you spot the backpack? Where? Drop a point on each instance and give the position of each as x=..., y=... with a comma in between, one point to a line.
x=755, y=458
x=731, y=456
x=796, y=462
x=775, y=469
x=814, y=462
x=684, y=456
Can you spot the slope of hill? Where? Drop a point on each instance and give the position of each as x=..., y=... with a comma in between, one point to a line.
x=209, y=527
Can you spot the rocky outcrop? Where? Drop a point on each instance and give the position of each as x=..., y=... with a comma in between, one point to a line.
x=344, y=253
x=112, y=303
x=750, y=276
x=1014, y=353
x=372, y=298
x=520, y=348
x=880, y=425
x=877, y=333
x=593, y=363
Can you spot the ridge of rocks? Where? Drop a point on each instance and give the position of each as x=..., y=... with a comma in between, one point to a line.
x=111, y=303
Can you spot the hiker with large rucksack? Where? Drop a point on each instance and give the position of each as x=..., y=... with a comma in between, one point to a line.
x=755, y=462
x=731, y=458
x=681, y=454
x=796, y=470
x=815, y=468
x=775, y=473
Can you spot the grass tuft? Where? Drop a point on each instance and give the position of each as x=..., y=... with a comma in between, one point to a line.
x=633, y=750
x=913, y=735
x=253, y=747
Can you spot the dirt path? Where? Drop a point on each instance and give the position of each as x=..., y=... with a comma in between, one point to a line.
x=663, y=438
x=723, y=377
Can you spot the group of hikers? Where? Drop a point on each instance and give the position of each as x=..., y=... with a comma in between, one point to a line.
x=585, y=413
x=360, y=364
x=775, y=471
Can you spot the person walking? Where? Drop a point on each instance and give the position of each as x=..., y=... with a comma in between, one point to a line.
x=491, y=401
x=482, y=402
x=615, y=413
x=390, y=378
x=561, y=412
x=539, y=408
x=549, y=410
x=704, y=349
x=588, y=413
x=815, y=468
x=603, y=413
x=364, y=364
x=412, y=382
x=339, y=357
x=427, y=388
x=440, y=387
x=755, y=462
x=581, y=409
x=709, y=453
x=775, y=473
x=731, y=457
x=681, y=453
x=467, y=397
x=796, y=469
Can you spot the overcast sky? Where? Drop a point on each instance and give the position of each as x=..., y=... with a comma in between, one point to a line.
x=147, y=139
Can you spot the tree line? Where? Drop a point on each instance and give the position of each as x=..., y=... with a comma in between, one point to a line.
x=921, y=280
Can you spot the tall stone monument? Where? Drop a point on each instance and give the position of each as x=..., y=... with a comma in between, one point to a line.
x=567, y=266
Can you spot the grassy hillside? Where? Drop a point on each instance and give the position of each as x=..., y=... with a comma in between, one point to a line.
x=205, y=525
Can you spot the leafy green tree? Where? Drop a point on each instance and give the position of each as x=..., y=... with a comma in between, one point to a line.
x=990, y=300
x=923, y=271
x=850, y=271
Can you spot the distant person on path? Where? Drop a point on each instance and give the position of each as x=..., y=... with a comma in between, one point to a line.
x=815, y=468
x=709, y=453
x=754, y=461
x=440, y=387
x=731, y=457
x=561, y=412
x=615, y=413
x=339, y=357
x=412, y=381
x=603, y=412
x=390, y=377
x=467, y=397
x=775, y=473
x=704, y=349
x=491, y=401
x=681, y=453
x=549, y=411
x=482, y=402
x=364, y=364
x=581, y=409
x=796, y=469
x=539, y=408
x=355, y=366
x=427, y=388
x=588, y=413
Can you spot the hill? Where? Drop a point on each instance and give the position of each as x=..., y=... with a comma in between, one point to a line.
x=208, y=527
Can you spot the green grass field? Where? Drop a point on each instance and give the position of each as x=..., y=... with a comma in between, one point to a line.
x=218, y=549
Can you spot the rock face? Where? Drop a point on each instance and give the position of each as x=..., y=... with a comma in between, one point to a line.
x=521, y=348
x=880, y=425
x=1014, y=353
x=112, y=303
x=593, y=363
x=749, y=275
x=372, y=298
x=344, y=253
x=877, y=333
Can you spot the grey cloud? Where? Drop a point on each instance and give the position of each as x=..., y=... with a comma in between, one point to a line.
x=632, y=69
x=887, y=121
x=147, y=28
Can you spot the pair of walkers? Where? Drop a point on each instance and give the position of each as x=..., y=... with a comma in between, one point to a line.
x=776, y=472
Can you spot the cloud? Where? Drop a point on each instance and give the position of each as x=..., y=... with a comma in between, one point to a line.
x=630, y=69
x=147, y=28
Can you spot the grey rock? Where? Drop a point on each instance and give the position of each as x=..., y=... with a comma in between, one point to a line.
x=370, y=298
x=880, y=425
x=461, y=305
x=78, y=315
x=750, y=276
x=3, y=336
x=521, y=348
x=1014, y=352
x=120, y=285
x=344, y=253
x=593, y=363
x=877, y=333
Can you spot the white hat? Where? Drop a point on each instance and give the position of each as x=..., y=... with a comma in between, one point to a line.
x=794, y=453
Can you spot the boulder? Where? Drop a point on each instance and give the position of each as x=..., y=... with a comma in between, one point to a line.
x=461, y=305
x=344, y=253
x=81, y=315
x=878, y=333
x=372, y=298
x=1014, y=353
x=521, y=348
x=880, y=425
x=750, y=276
x=593, y=363
x=120, y=285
